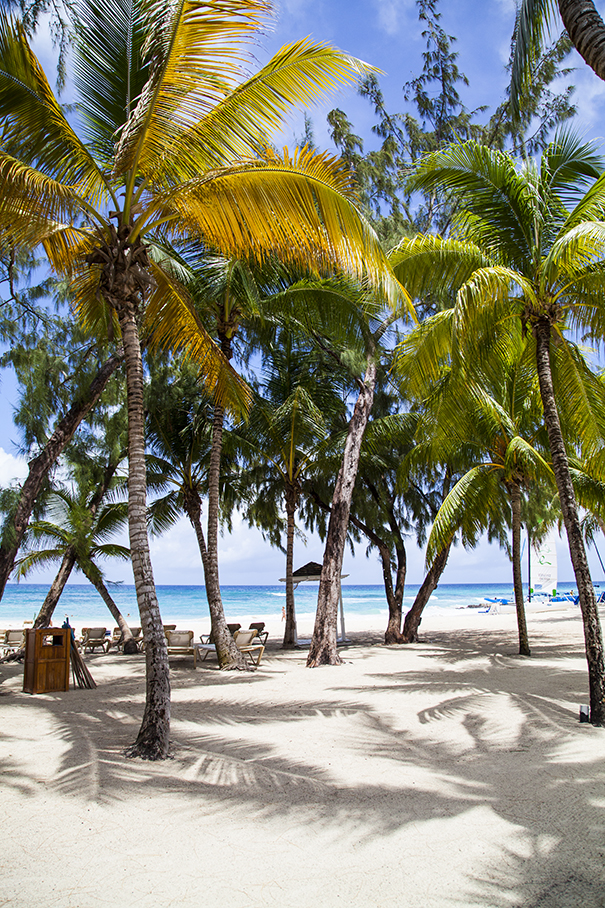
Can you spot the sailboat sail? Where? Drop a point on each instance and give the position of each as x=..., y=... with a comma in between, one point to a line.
x=544, y=565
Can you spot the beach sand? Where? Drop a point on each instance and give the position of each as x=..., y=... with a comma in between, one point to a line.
x=448, y=773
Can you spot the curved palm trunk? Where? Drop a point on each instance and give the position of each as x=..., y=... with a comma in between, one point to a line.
x=129, y=645
x=229, y=656
x=45, y=614
x=323, y=649
x=514, y=491
x=153, y=739
x=193, y=507
x=593, y=637
x=587, y=32
x=429, y=585
x=290, y=629
x=39, y=467
x=394, y=596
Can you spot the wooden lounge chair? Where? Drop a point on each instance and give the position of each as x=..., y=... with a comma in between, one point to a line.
x=261, y=633
x=116, y=639
x=250, y=645
x=180, y=643
x=13, y=640
x=94, y=637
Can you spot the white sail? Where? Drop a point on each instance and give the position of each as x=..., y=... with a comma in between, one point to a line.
x=544, y=565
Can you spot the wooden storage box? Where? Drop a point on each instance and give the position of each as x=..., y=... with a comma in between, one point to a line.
x=46, y=660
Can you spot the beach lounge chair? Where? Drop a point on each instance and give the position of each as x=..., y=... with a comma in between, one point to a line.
x=116, y=639
x=94, y=638
x=246, y=641
x=180, y=643
x=13, y=640
x=207, y=638
x=250, y=645
x=261, y=633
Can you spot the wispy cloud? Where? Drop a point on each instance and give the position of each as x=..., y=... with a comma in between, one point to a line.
x=390, y=14
x=11, y=468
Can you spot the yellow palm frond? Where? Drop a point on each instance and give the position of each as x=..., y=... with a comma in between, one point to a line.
x=196, y=54
x=171, y=322
x=32, y=204
x=292, y=207
x=240, y=124
x=35, y=128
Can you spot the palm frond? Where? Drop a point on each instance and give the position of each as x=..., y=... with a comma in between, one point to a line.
x=35, y=128
x=293, y=208
x=242, y=123
x=172, y=322
x=194, y=53
x=466, y=508
x=429, y=264
x=499, y=205
x=109, y=72
x=534, y=19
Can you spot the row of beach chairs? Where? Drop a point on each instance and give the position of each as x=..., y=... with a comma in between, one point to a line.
x=251, y=642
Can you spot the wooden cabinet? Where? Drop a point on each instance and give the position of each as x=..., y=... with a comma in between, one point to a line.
x=46, y=660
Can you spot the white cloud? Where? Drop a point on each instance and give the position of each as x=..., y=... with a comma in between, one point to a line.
x=11, y=468
x=389, y=14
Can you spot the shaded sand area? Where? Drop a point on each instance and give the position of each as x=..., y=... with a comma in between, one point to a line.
x=451, y=773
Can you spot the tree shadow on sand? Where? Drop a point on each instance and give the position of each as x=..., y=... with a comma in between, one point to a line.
x=515, y=753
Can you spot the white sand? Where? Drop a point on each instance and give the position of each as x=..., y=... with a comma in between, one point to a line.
x=450, y=773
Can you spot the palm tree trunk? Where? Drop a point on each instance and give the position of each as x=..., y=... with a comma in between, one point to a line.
x=152, y=742
x=394, y=596
x=129, y=645
x=290, y=629
x=229, y=656
x=39, y=467
x=514, y=491
x=323, y=649
x=45, y=614
x=193, y=507
x=593, y=638
x=587, y=32
x=429, y=585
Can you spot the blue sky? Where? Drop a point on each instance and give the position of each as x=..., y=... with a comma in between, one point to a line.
x=385, y=33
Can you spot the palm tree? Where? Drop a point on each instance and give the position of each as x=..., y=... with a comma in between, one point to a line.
x=77, y=532
x=528, y=245
x=489, y=415
x=170, y=145
x=347, y=322
x=286, y=435
x=583, y=24
x=179, y=433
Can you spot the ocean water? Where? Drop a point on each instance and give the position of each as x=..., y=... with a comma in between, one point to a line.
x=177, y=603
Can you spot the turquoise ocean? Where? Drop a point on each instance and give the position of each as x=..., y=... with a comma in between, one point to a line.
x=180, y=603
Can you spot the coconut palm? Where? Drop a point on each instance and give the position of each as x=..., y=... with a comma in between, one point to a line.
x=180, y=436
x=583, y=24
x=76, y=531
x=492, y=418
x=528, y=245
x=286, y=435
x=170, y=143
x=347, y=321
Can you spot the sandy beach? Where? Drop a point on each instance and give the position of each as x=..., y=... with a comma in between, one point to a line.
x=449, y=773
